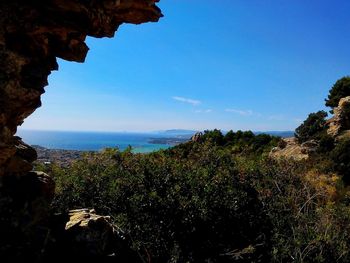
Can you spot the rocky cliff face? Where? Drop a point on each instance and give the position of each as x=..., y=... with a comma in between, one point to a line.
x=33, y=34
x=339, y=125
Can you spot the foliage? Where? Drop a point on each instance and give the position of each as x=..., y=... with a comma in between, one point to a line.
x=242, y=142
x=346, y=116
x=312, y=127
x=326, y=143
x=341, y=159
x=218, y=200
x=176, y=207
x=215, y=136
x=339, y=90
x=307, y=225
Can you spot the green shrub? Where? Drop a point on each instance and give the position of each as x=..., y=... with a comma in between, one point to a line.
x=312, y=127
x=215, y=136
x=307, y=226
x=339, y=90
x=217, y=200
x=326, y=143
x=241, y=142
x=176, y=207
x=341, y=159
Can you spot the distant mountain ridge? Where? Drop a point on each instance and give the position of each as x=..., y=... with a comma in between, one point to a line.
x=283, y=134
x=179, y=132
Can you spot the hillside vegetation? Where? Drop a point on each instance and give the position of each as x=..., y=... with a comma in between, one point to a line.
x=221, y=198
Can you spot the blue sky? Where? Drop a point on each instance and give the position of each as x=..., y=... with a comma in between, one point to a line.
x=259, y=65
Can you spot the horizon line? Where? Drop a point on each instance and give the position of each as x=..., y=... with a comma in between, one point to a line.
x=146, y=131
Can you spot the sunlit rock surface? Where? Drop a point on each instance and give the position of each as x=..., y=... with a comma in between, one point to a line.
x=290, y=149
x=339, y=125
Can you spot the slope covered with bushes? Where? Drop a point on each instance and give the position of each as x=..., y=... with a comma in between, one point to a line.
x=219, y=199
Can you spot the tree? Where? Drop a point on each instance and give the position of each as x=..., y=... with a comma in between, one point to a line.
x=215, y=136
x=230, y=137
x=339, y=90
x=312, y=127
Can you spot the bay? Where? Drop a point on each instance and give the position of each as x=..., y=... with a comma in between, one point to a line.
x=92, y=141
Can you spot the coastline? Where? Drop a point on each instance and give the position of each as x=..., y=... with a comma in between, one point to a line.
x=64, y=157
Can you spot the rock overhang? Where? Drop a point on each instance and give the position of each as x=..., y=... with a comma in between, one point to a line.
x=34, y=33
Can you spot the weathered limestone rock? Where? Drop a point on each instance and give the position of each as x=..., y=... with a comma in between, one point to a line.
x=32, y=34
x=83, y=236
x=309, y=147
x=290, y=149
x=341, y=119
x=25, y=151
x=91, y=234
x=338, y=128
x=197, y=137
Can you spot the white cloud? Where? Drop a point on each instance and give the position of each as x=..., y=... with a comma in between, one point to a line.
x=187, y=100
x=241, y=112
x=204, y=111
x=278, y=117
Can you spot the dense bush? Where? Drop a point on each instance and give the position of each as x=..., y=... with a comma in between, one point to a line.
x=308, y=226
x=214, y=136
x=176, y=207
x=217, y=200
x=312, y=128
x=242, y=142
x=341, y=159
x=339, y=90
x=326, y=143
x=346, y=116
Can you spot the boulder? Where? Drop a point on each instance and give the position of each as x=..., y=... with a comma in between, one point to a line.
x=94, y=236
x=341, y=120
x=196, y=137
x=290, y=149
x=309, y=147
x=25, y=151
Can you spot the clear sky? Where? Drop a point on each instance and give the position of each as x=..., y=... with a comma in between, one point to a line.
x=228, y=64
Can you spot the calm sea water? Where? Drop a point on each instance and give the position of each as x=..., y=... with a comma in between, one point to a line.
x=92, y=141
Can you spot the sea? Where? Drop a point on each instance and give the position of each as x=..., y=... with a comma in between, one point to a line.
x=93, y=141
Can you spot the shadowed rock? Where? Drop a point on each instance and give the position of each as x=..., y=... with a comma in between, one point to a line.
x=33, y=34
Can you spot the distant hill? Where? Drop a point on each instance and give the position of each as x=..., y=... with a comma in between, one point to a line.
x=283, y=134
x=177, y=132
x=189, y=133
